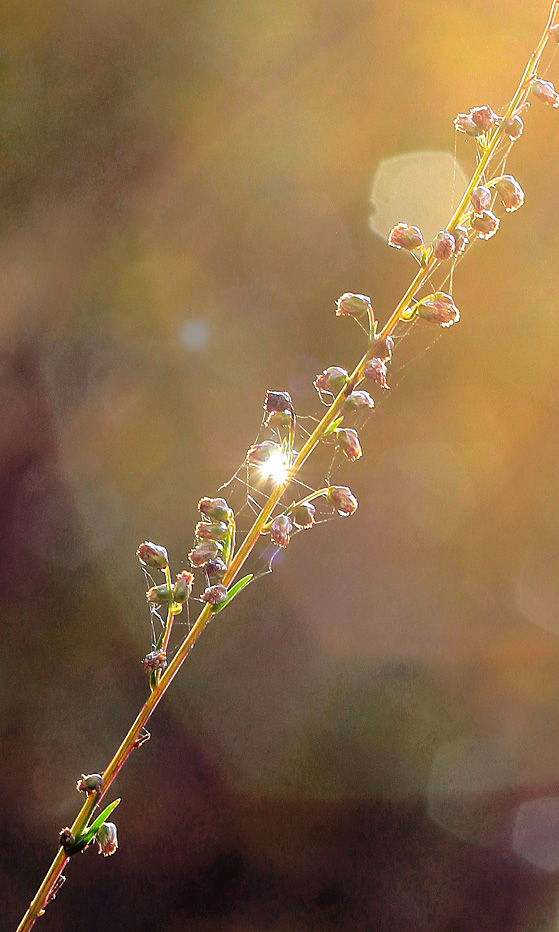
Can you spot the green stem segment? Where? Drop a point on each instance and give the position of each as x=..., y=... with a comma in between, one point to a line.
x=127, y=746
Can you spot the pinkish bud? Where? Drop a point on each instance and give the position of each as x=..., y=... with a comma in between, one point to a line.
x=443, y=245
x=217, y=531
x=403, y=236
x=510, y=193
x=376, y=371
x=215, y=570
x=278, y=403
x=480, y=198
x=382, y=349
x=206, y=550
x=152, y=555
x=106, y=839
x=93, y=783
x=513, y=127
x=183, y=587
x=353, y=305
x=464, y=124
x=215, y=509
x=461, y=239
x=157, y=660
x=331, y=380
x=348, y=442
x=215, y=595
x=545, y=91
x=260, y=453
x=65, y=838
x=158, y=595
x=358, y=399
x=341, y=498
x=484, y=117
x=486, y=224
x=303, y=515
x=440, y=309
x=280, y=529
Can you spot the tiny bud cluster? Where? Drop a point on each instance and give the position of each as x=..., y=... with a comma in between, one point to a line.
x=439, y=308
x=403, y=236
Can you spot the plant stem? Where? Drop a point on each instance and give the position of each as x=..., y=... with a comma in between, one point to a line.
x=127, y=745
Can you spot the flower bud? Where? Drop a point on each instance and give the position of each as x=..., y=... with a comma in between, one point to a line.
x=93, y=783
x=461, y=238
x=484, y=117
x=513, y=127
x=158, y=595
x=107, y=839
x=156, y=660
x=215, y=570
x=280, y=529
x=545, y=91
x=303, y=515
x=206, y=550
x=443, y=245
x=510, y=193
x=486, y=224
x=403, y=236
x=65, y=838
x=331, y=380
x=277, y=419
x=152, y=555
x=341, y=498
x=382, y=349
x=480, y=198
x=440, y=309
x=215, y=509
x=260, y=453
x=217, y=531
x=353, y=305
x=375, y=370
x=214, y=595
x=348, y=442
x=278, y=403
x=183, y=587
x=463, y=123
x=358, y=399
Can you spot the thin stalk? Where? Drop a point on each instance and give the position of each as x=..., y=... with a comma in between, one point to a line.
x=129, y=742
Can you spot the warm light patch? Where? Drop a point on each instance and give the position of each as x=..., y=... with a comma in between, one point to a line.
x=275, y=467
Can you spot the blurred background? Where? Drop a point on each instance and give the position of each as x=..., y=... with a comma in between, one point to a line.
x=369, y=738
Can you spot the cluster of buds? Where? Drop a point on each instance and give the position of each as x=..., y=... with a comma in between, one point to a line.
x=476, y=121
x=439, y=308
x=211, y=532
x=154, y=661
x=179, y=593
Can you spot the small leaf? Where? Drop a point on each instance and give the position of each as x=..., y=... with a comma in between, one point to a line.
x=232, y=593
x=333, y=426
x=87, y=836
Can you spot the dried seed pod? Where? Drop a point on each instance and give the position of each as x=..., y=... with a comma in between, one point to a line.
x=403, y=236
x=303, y=515
x=358, y=399
x=215, y=509
x=206, y=531
x=260, y=453
x=331, y=380
x=107, y=839
x=204, y=551
x=513, y=127
x=439, y=308
x=478, y=120
x=348, y=442
x=152, y=555
x=480, y=198
x=510, y=193
x=486, y=224
x=278, y=405
x=376, y=371
x=353, y=305
x=342, y=499
x=215, y=595
x=443, y=245
x=280, y=530
x=545, y=91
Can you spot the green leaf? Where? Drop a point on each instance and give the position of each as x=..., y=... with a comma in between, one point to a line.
x=88, y=834
x=234, y=590
x=333, y=426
